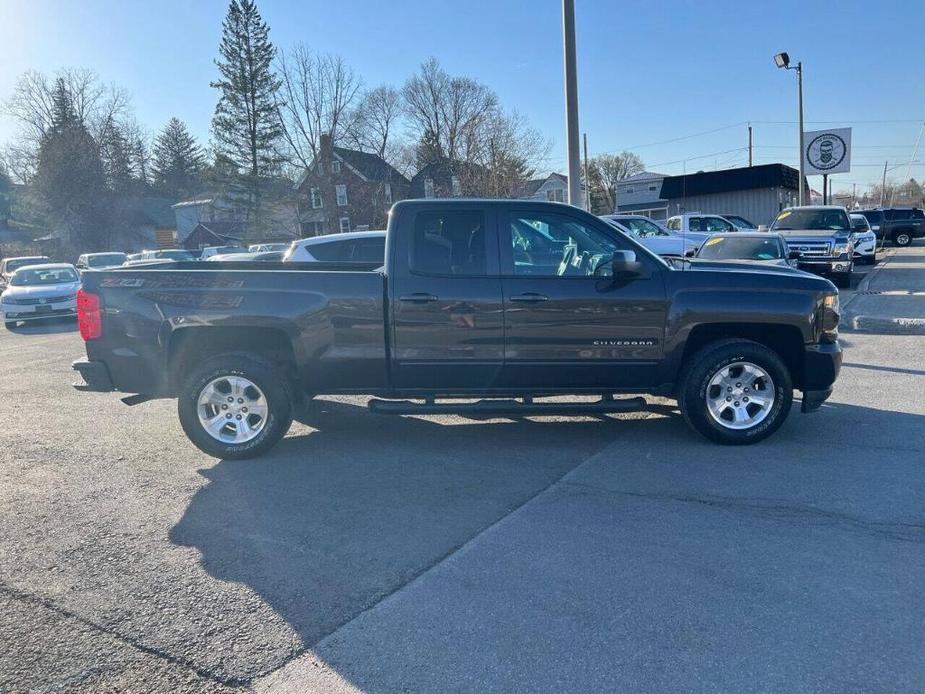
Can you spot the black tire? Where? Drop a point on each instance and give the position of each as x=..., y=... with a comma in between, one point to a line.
x=271, y=381
x=9, y=324
x=842, y=280
x=902, y=238
x=702, y=366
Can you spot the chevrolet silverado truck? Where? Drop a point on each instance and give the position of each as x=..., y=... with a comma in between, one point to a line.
x=822, y=236
x=502, y=302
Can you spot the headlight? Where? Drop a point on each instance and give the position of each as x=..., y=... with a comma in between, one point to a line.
x=842, y=248
x=830, y=317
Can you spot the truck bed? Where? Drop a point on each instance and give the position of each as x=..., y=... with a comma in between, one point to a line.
x=332, y=315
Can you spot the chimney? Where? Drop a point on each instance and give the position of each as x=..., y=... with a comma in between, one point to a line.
x=326, y=150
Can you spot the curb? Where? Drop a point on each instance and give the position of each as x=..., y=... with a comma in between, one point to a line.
x=879, y=324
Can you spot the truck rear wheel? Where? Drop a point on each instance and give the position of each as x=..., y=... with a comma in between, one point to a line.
x=902, y=238
x=235, y=406
x=735, y=392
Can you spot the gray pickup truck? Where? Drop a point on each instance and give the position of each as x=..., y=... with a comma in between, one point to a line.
x=502, y=301
x=821, y=234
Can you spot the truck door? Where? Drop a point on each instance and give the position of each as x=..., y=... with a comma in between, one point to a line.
x=445, y=292
x=567, y=326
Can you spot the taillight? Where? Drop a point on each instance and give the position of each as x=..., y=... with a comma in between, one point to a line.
x=89, y=315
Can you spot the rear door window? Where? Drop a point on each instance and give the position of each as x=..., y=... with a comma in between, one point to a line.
x=369, y=250
x=332, y=251
x=449, y=243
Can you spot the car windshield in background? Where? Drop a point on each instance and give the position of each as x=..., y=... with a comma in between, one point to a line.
x=175, y=255
x=726, y=248
x=741, y=222
x=642, y=228
x=34, y=278
x=13, y=265
x=812, y=220
x=106, y=259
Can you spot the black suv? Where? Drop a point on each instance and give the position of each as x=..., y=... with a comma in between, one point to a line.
x=898, y=224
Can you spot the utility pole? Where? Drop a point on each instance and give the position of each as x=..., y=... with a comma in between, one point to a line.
x=571, y=103
x=825, y=189
x=587, y=178
x=749, y=145
x=802, y=145
x=883, y=185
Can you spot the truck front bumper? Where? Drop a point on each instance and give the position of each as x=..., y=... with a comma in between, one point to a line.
x=95, y=375
x=826, y=267
x=821, y=366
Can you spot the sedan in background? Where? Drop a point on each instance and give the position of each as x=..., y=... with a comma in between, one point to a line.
x=652, y=236
x=349, y=247
x=10, y=265
x=761, y=248
x=864, y=239
x=100, y=261
x=264, y=247
x=209, y=251
x=40, y=291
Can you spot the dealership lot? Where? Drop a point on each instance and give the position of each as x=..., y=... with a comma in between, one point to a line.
x=429, y=553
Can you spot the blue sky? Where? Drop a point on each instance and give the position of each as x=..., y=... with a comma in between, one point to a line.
x=649, y=71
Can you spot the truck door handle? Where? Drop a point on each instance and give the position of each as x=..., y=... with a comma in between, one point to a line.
x=419, y=298
x=530, y=297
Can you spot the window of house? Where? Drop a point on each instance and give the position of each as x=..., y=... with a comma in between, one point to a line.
x=555, y=195
x=653, y=187
x=388, y=193
x=312, y=228
x=457, y=188
x=428, y=187
x=316, y=198
x=450, y=242
x=344, y=224
x=341, y=191
x=335, y=166
x=628, y=190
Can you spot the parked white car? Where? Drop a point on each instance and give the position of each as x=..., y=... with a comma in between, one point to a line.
x=864, y=239
x=209, y=251
x=697, y=223
x=263, y=256
x=9, y=265
x=352, y=246
x=100, y=261
x=40, y=291
x=266, y=247
x=651, y=235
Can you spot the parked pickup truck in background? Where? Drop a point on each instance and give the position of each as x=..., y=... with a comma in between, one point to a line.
x=898, y=224
x=822, y=236
x=505, y=300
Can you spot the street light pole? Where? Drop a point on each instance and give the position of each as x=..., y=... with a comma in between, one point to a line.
x=571, y=103
x=802, y=144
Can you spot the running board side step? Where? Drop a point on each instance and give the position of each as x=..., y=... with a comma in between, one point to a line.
x=508, y=406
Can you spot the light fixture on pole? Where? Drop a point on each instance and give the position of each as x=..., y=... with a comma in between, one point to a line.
x=782, y=60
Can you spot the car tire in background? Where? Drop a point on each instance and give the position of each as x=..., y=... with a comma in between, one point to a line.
x=722, y=385
x=902, y=238
x=235, y=406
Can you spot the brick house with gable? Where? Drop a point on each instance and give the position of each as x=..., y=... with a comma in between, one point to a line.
x=347, y=190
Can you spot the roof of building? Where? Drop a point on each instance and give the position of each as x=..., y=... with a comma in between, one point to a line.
x=642, y=176
x=729, y=180
x=369, y=165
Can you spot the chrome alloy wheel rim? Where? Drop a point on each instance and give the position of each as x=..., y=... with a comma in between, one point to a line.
x=232, y=409
x=740, y=395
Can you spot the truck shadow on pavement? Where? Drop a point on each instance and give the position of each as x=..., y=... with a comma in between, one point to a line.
x=335, y=519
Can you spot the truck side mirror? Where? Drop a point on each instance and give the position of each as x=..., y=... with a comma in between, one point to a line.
x=625, y=263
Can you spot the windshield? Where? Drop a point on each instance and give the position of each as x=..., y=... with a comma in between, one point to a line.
x=809, y=219
x=738, y=248
x=27, y=277
x=105, y=259
x=12, y=265
x=642, y=228
x=174, y=255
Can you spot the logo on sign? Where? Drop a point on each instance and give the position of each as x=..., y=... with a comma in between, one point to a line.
x=826, y=151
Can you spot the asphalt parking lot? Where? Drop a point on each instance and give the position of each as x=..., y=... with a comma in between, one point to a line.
x=445, y=553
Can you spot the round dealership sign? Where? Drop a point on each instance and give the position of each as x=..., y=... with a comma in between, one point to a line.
x=826, y=151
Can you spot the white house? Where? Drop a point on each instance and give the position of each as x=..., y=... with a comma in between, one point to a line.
x=641, y=194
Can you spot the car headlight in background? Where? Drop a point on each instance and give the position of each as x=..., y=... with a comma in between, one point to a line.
x=842, y=248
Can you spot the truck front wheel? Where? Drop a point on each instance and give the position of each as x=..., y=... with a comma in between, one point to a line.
x=735, y=392
x=235, y=406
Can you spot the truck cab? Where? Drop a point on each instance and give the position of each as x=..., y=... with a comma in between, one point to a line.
x=822, y=236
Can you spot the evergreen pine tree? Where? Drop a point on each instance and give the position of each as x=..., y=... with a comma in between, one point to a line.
x=178, y=160
x=246, y=127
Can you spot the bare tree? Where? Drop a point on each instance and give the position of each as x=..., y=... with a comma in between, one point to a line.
x=374, y=121
x=508, y=151
x=606, y=171
x=447, y=111
x=317, y=97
